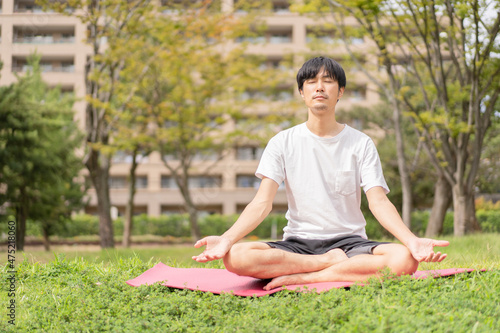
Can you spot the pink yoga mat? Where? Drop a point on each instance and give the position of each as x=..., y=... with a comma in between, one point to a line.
x=219, y=281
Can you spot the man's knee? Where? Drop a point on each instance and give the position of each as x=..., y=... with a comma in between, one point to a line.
x=399, y=259
x=241, y=258
x=401, y=262
x=232, y=260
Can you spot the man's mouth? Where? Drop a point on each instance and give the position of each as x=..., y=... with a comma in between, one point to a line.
x=319, y=97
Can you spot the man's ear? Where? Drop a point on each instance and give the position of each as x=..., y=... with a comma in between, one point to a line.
x=341, y=92
x=301, y=93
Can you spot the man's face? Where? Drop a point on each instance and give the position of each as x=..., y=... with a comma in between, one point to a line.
x=321, y=92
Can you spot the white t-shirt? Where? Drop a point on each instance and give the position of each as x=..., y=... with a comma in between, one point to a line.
x=323, y=179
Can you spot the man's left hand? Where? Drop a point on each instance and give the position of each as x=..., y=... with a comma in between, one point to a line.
x=422, y=249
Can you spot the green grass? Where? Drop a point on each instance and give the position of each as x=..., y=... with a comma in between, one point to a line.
x=178, y=254
x=86, y=292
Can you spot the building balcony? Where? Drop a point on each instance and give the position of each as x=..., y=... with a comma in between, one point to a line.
x=44, y=39
x=46, y=68
x=31, y=7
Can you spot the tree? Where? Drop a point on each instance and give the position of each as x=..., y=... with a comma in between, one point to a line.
x=38, y=141
x=132, y=136
x=459, y=87
x=108, y=22
x=489, y=178
x=365, y=15
x=193, y=87
x=378, y=118
x=445, y=47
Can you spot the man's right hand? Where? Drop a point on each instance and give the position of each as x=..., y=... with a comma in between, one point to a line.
x=216, y=248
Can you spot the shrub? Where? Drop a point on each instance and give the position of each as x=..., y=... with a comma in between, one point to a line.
x=177, y=225
x=489, y=220
x=81, y=225
x=374, y=229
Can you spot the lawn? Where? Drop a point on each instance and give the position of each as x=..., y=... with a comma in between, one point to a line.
x=85, y=291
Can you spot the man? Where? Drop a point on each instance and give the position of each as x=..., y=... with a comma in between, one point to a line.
x=324, y=164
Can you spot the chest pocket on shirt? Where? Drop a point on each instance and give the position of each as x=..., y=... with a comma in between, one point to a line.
x=345, y=182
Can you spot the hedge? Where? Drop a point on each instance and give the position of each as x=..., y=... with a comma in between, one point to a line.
x=177, y=225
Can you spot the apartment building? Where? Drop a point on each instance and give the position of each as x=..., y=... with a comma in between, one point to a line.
x=226, y=187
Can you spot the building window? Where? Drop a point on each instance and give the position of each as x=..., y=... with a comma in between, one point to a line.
x=206, y=156
x=357, y=124
x=251, y=39
x=120, y=182
x=247, y=181
x=168, y=182
x=125, y=157
x=121, y=157
x=117, y=182
x=279, y=95
x=280, y=37
x=285, y=95
x=28, y=35
x=204, y=182
x=276, y=35
x=356, y=94
x=30, y=6
x=322, y=35
x=141, y=182
x=277, y=63
x=249, y=153
x=46, y=65
x=193, y=182
x=281, y=7
x=27, y=6
x=357, y=40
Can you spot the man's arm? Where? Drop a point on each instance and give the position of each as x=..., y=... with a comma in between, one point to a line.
x=250, y=218
x=384, y=211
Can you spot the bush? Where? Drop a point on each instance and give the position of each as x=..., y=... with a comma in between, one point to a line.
x=177, y=225
x=32, y=228
x=374, y=229
x=489, y=220
x=264, y=230
x=216, y=224
x=81, y=225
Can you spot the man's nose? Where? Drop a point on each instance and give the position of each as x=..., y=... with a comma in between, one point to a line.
x=319, y=86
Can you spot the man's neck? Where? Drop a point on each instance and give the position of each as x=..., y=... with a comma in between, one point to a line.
x=326, y=126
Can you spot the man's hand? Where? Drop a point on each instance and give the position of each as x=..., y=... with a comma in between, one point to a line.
x=422, y=249
x=217, y=247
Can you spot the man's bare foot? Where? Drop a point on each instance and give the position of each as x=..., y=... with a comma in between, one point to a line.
x=287, y=280
x=332, y=257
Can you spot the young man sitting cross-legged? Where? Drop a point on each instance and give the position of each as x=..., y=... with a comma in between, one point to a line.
x=324, y=165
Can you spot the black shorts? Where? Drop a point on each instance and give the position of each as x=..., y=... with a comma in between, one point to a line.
x=351, y=245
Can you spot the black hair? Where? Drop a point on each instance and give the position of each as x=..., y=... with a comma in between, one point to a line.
x=312, y=67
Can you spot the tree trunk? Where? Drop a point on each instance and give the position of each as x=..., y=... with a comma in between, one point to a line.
x=403, y=169
x=129, y=210
x=182, y=182
x=189, y=206
x=193, y=222
x=407, y=200
x=472, y=222
x=46, y=238
x=464, y=217
x=442, y=201
x=98, y=167
x=21, y=217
